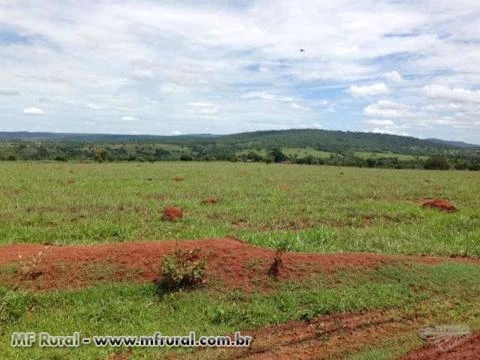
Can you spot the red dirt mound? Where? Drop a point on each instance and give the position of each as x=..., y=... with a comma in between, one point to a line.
x=172, y=213
x=468, y=349
x=231, y=264
x=439, y=204
x=178, y=178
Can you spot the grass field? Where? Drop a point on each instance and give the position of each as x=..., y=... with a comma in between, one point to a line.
x=432, y=294
x=314, y=208
x=305, y=208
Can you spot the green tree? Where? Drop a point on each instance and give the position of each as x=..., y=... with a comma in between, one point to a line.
x=277, y=155
x=100, y=155
x=437, y=163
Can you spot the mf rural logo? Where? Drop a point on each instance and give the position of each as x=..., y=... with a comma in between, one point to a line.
x=445, y=337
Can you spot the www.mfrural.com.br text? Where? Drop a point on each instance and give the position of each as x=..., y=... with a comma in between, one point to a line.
x=47, y=340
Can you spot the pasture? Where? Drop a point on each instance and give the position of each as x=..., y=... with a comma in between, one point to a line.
x=313, y=208
x=95, y=237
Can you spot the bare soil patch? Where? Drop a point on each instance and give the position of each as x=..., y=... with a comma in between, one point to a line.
x=468, y=349
x=325, y=337
x=439, y=204
x=231, y=263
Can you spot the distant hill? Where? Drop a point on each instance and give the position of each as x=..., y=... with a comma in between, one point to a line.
x=302, y=146
x=95, y=138
x=320, y=140
x=459, y=144
x=336, y=141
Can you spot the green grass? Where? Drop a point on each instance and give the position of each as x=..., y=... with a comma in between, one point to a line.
x=392, y=349
x=315, y=208
x=302, y=152
x=378, y=155
x=308, y=208
x=447, y=292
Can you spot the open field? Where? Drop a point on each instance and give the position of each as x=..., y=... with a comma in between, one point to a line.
x=314, y=208
x=367, y=266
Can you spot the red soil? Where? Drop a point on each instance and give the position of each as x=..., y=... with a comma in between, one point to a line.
x=468, y=349
x=325, y=337
x=334, y=336
x=231, y=263
x=172, y=213
x=439, y=204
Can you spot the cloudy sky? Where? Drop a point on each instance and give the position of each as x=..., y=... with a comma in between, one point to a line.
x=192, y=66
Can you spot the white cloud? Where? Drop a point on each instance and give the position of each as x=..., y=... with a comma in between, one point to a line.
x=93, y=106
x=299, y=107
x=9, y=93
x=129, y=118
x=369, y=90
x=200, y=104
x=208, y=111
x=380, y=122
x=452, y=94
x=33, y=111
x=265, y=95
x=176, y=132
x=391, y=105
x=389, y=131
x=394, y=76
x=386, y=127
x=388, y=109
x=172, y=88
x=143, y=74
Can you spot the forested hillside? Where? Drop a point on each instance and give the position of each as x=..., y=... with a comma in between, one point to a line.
x=305, y=146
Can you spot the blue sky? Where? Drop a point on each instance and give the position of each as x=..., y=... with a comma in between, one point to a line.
x=177, y=67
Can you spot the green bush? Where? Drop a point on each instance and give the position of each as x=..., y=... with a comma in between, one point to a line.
x=181, y=270
x=437, y=163
x=186, y=157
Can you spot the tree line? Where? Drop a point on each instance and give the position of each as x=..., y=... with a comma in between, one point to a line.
x=211, y=151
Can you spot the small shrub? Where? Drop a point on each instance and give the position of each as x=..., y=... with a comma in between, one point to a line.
x=274, y=269
x=30, y=267
x=182, y=270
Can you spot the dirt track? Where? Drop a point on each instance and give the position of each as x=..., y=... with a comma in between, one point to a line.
x=325, y=337
x=468, y=349
x=337, y=335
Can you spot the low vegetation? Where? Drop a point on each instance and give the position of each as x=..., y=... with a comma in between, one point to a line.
x=327, y=209
x=447, y=292
x=182, y=270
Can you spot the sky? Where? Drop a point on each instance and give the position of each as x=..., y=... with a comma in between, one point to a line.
x=191, y=66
